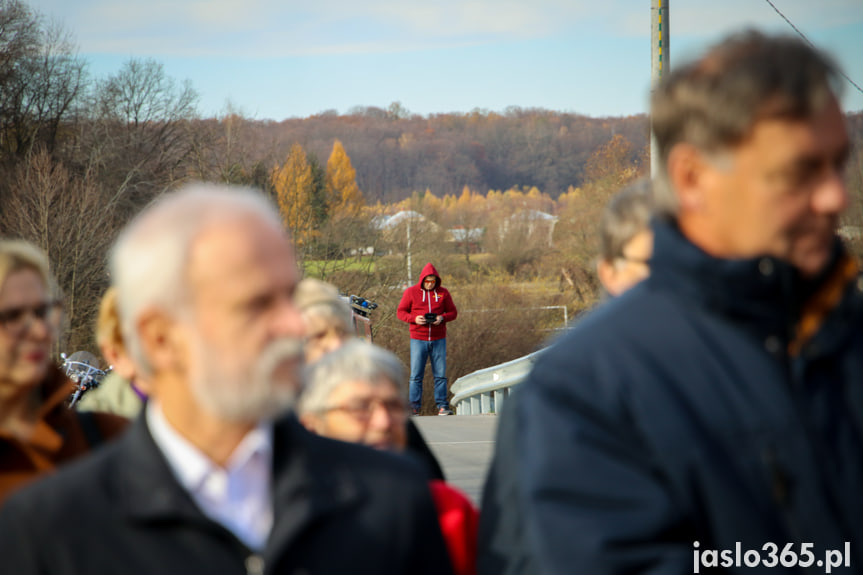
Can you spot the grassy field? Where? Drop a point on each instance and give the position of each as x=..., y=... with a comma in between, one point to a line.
x=318, y=268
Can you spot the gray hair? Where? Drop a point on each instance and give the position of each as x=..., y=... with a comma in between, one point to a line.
x=149, y=259
x=714, y=102
x=626, y=214
x=355, y=360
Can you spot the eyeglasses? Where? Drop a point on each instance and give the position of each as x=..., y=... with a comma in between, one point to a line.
x=16, y=320
x=362, y=410
x=633, y=260
x=329, y=332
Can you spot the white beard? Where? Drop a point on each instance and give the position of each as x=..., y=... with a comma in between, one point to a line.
x=253, y=392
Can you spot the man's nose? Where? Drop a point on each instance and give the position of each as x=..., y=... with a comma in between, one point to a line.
x=831, y=195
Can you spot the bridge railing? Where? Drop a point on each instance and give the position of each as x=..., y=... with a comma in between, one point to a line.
x=484, y=391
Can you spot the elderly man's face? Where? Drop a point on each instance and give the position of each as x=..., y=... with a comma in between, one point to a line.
x=781, y=192
x=374, y=414
x=246, y=334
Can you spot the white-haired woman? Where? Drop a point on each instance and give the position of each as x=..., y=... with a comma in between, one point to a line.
x=355, y=394
x=37, y=431
x=329, y=325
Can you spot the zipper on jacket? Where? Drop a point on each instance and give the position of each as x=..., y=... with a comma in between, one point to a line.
x=430, y=311
x=254, y=565
x=779, y=483
x=780, y=491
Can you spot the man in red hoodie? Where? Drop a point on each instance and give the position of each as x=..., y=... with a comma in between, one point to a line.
x=427, y=307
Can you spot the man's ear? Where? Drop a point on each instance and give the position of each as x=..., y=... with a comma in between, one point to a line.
x=687, y=169
x=607, y=276
x=161, y=340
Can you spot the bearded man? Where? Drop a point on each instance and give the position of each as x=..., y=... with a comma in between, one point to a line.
x=217, y=476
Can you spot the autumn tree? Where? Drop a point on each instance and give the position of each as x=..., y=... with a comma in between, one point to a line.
x=612, y=165
x=294, y=185
x=344, y=198
x=467, y=220
x=341, y=229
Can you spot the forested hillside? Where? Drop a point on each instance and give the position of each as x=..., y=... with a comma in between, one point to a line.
x=395, y=153
x=504, y=202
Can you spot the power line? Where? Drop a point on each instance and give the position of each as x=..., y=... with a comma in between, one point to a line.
x=802, y=35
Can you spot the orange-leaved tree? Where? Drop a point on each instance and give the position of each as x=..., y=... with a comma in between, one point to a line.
x=344, y=198
x=294, y=185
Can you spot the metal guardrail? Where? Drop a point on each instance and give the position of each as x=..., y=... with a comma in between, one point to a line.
x=484, y=391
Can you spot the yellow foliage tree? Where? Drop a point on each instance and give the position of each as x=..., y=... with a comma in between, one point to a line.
x=431, y=203
x=464, y=198
x=610, y=164
x=344, y=198
x=294, y=185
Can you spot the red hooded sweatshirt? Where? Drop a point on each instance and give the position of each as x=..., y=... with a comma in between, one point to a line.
x=418, y=301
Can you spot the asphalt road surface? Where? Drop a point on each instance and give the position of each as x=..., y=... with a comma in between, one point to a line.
x=463, y=444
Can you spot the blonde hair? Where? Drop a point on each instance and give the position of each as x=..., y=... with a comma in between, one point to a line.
x=16, y=255
x=108, y=330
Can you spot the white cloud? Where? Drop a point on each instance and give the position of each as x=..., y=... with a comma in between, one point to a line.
x=227, y=14
x=275, y=28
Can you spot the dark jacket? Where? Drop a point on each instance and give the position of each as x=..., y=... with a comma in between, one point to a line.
x=418, y=301
x=502, y=543
x=339, y=508
x=419, y=449
x=718, y=402
x=60, y=436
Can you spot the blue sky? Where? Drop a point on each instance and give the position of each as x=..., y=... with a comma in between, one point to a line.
x=276, y=59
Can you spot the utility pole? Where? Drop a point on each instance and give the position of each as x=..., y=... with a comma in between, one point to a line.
x=410, y=276
x=660, y=62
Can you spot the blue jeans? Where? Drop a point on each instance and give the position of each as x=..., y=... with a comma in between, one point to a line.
x=421, y=351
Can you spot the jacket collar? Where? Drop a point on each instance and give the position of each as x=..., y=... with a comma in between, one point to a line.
x=766, y=293
x=306, y=483
x=47, y=438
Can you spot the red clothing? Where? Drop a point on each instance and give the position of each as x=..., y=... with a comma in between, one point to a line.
x=459, y=521
x=418, y=301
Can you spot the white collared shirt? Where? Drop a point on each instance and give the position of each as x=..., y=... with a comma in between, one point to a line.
x=237, y=496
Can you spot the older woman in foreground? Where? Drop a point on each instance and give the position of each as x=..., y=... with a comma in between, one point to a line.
x=37, y=431
x=354, y=394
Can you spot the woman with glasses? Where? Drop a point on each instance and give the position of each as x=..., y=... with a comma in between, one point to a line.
x=329, y=325
x=354, y=394
x=37, y=431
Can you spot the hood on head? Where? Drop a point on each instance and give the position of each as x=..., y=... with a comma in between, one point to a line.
x=429, y=270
